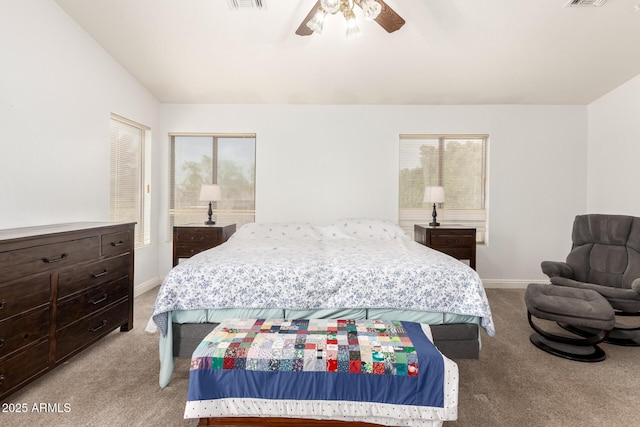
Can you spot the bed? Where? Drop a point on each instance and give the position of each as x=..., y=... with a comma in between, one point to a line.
x=352, y=269
x=337, y=370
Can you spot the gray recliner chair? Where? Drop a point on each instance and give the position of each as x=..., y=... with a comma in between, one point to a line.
x=605, y=257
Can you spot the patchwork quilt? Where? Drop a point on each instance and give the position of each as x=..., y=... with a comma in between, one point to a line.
x=318, y=368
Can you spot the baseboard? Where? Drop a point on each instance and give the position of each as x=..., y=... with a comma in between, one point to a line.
x=141, y=288
x=509, y=283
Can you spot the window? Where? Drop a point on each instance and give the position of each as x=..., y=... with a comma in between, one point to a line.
x=226, y=160
x=128, y=177
x=456, y=162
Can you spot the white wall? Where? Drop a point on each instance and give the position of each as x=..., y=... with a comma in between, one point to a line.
x=614, y=152
x=321, y=163
x=314, y=163
x=57, y=90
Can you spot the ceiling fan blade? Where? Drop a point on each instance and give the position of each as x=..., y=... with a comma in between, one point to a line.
x=388, y=18
x=303, y=30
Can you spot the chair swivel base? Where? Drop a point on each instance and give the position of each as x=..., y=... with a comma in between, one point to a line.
x=573, y=348
x=618, y=336
x=579, y=353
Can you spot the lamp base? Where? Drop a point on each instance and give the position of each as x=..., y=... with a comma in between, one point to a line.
x=210, y=213
x=434, y=215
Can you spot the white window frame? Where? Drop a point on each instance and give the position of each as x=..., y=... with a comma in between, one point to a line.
x=130, y=142
x=477, y=218
x=238, y=217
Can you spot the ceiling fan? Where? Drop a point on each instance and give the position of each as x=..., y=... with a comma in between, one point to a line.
x=376, y=9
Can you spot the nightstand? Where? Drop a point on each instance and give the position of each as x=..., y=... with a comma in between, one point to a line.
x=459, y=242
x=190, y=239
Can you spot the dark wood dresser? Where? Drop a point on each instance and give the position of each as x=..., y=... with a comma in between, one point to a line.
x=191, y=239
x=62, y=287
x=459, y=242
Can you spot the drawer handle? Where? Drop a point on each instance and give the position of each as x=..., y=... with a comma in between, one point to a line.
x=1, y=378
x=1, y=341
x=49, y=260
x=120, y=243
x=97, y=328
x=98, y=301
x=102, y=273
x=1, y=304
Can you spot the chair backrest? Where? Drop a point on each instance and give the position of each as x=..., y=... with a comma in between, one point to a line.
x=606, y=249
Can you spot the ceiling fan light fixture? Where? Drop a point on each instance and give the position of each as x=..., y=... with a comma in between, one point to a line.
x=330, y=6
x=316, y=23
x=352, y=25
x=377, y=10
x=371, y=9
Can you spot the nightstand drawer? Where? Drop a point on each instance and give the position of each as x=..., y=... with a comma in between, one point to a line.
x=459, y=253
x=183, y=251
x=452, y=240
x=202, y=236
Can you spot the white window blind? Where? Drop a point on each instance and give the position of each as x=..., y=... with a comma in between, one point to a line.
x=224, y=159
x=129, y=192
x=456, y=162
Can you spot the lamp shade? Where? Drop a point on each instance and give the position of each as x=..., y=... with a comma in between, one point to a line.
x=210, y=193
x=433, y=195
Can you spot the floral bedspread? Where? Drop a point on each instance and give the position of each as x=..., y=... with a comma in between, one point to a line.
x=350, y=264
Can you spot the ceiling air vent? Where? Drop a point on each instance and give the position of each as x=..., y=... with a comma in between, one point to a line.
x=246, y=4
x=579, y=3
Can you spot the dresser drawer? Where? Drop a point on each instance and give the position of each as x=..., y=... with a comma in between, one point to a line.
x=452, y=240
x=19, y=331
x=23, y=296
x=116, y=243
x=80, y=334
x=25, y=262
x=91, y=300
x=74, y=280
x=23, y=365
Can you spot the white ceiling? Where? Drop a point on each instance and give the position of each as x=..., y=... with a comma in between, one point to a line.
x=448, y=52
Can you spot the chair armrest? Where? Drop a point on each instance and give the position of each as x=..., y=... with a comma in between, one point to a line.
x=557, y=268
x=635, y=285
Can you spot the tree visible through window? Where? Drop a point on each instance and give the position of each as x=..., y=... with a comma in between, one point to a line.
x=226, y=160
x=457, y=163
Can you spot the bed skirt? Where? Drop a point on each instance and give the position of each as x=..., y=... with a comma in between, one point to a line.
x=454, y=340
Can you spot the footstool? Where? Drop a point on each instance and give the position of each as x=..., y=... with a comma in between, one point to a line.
x=570, y=308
